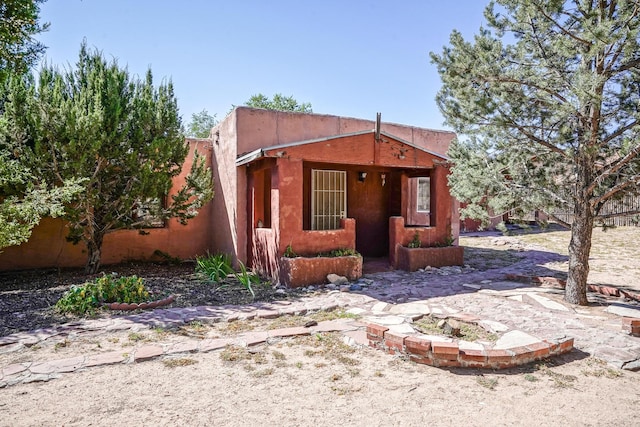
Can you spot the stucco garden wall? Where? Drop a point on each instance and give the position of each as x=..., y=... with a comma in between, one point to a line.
x=48, y=247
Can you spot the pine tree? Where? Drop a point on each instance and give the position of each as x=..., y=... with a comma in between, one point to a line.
x=122, y=137
x=545, y=100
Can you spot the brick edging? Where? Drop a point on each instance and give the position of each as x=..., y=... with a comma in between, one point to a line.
x=449, y=354
x=631, y=325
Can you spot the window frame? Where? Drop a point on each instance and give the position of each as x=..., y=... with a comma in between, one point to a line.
x=419, y=184
x=339, y=210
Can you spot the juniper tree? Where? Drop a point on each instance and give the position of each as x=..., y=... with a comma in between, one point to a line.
x=545, y=100
x=24, y=197
x=122, y=136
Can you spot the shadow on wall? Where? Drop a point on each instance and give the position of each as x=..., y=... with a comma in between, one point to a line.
x=265, y=253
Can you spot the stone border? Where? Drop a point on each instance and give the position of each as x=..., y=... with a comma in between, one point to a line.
x=608, y=291
x=451, y=354
x=26, y=372
x=124, y=306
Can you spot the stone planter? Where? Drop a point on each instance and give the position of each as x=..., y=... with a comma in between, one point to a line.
x=412, y=259
x=302, y=271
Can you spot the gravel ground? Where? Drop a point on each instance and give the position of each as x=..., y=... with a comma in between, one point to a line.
x=27, y=298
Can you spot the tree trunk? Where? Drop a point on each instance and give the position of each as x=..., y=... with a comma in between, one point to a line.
x=94, y=247
x=580, y=244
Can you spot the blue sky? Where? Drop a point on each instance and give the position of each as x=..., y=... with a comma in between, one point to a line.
x=346, y=57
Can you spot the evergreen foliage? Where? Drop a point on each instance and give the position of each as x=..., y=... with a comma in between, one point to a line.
x=278, y=102
x=201, y=124
x=24, y=197
x=18, y=24
x=546, y=98
x=120, y=135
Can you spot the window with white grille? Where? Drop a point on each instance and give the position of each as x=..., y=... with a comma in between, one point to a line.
x=328, y=199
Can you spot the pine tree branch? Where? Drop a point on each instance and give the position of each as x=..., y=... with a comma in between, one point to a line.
x=558, y=220
x=561, y=28
x=634, y=63
x=500, y=79
x=614, y=190
x=619, y=132
x=615, y=166
x=534, y=138
x=544, y=53
x=609, y=72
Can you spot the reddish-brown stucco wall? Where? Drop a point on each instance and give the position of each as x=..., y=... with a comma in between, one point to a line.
x=258, y=128
x=444, y=224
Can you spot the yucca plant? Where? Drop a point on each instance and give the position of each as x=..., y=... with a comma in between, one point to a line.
x=214, y=267
x=247, y=278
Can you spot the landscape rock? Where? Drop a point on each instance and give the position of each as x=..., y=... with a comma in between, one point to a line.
x=336, y=280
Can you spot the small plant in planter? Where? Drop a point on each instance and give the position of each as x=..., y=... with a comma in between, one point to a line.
x=88, y=297
x=289, y=252
x=415, y=242
x=446, y=242
x=415, y=256
x=339, y=252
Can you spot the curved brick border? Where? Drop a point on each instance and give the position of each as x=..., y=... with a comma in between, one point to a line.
x=124, y=306
x=449, y=354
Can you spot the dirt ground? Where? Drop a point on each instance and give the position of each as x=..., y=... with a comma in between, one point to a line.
x=299, y=382
x=320, y=381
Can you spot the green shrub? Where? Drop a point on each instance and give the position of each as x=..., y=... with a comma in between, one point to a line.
x=448, y=241
x=415, y=243
x=214, y=267
x=86, y=298
x=289, y=252
x=339, y=252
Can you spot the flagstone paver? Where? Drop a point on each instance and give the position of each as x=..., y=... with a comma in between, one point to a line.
x=532, y=319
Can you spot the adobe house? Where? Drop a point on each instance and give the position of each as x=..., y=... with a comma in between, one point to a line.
x=308, y=182
x=311, y=183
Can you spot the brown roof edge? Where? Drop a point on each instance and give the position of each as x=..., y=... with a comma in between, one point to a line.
x=261, y=152
x=373, y=122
